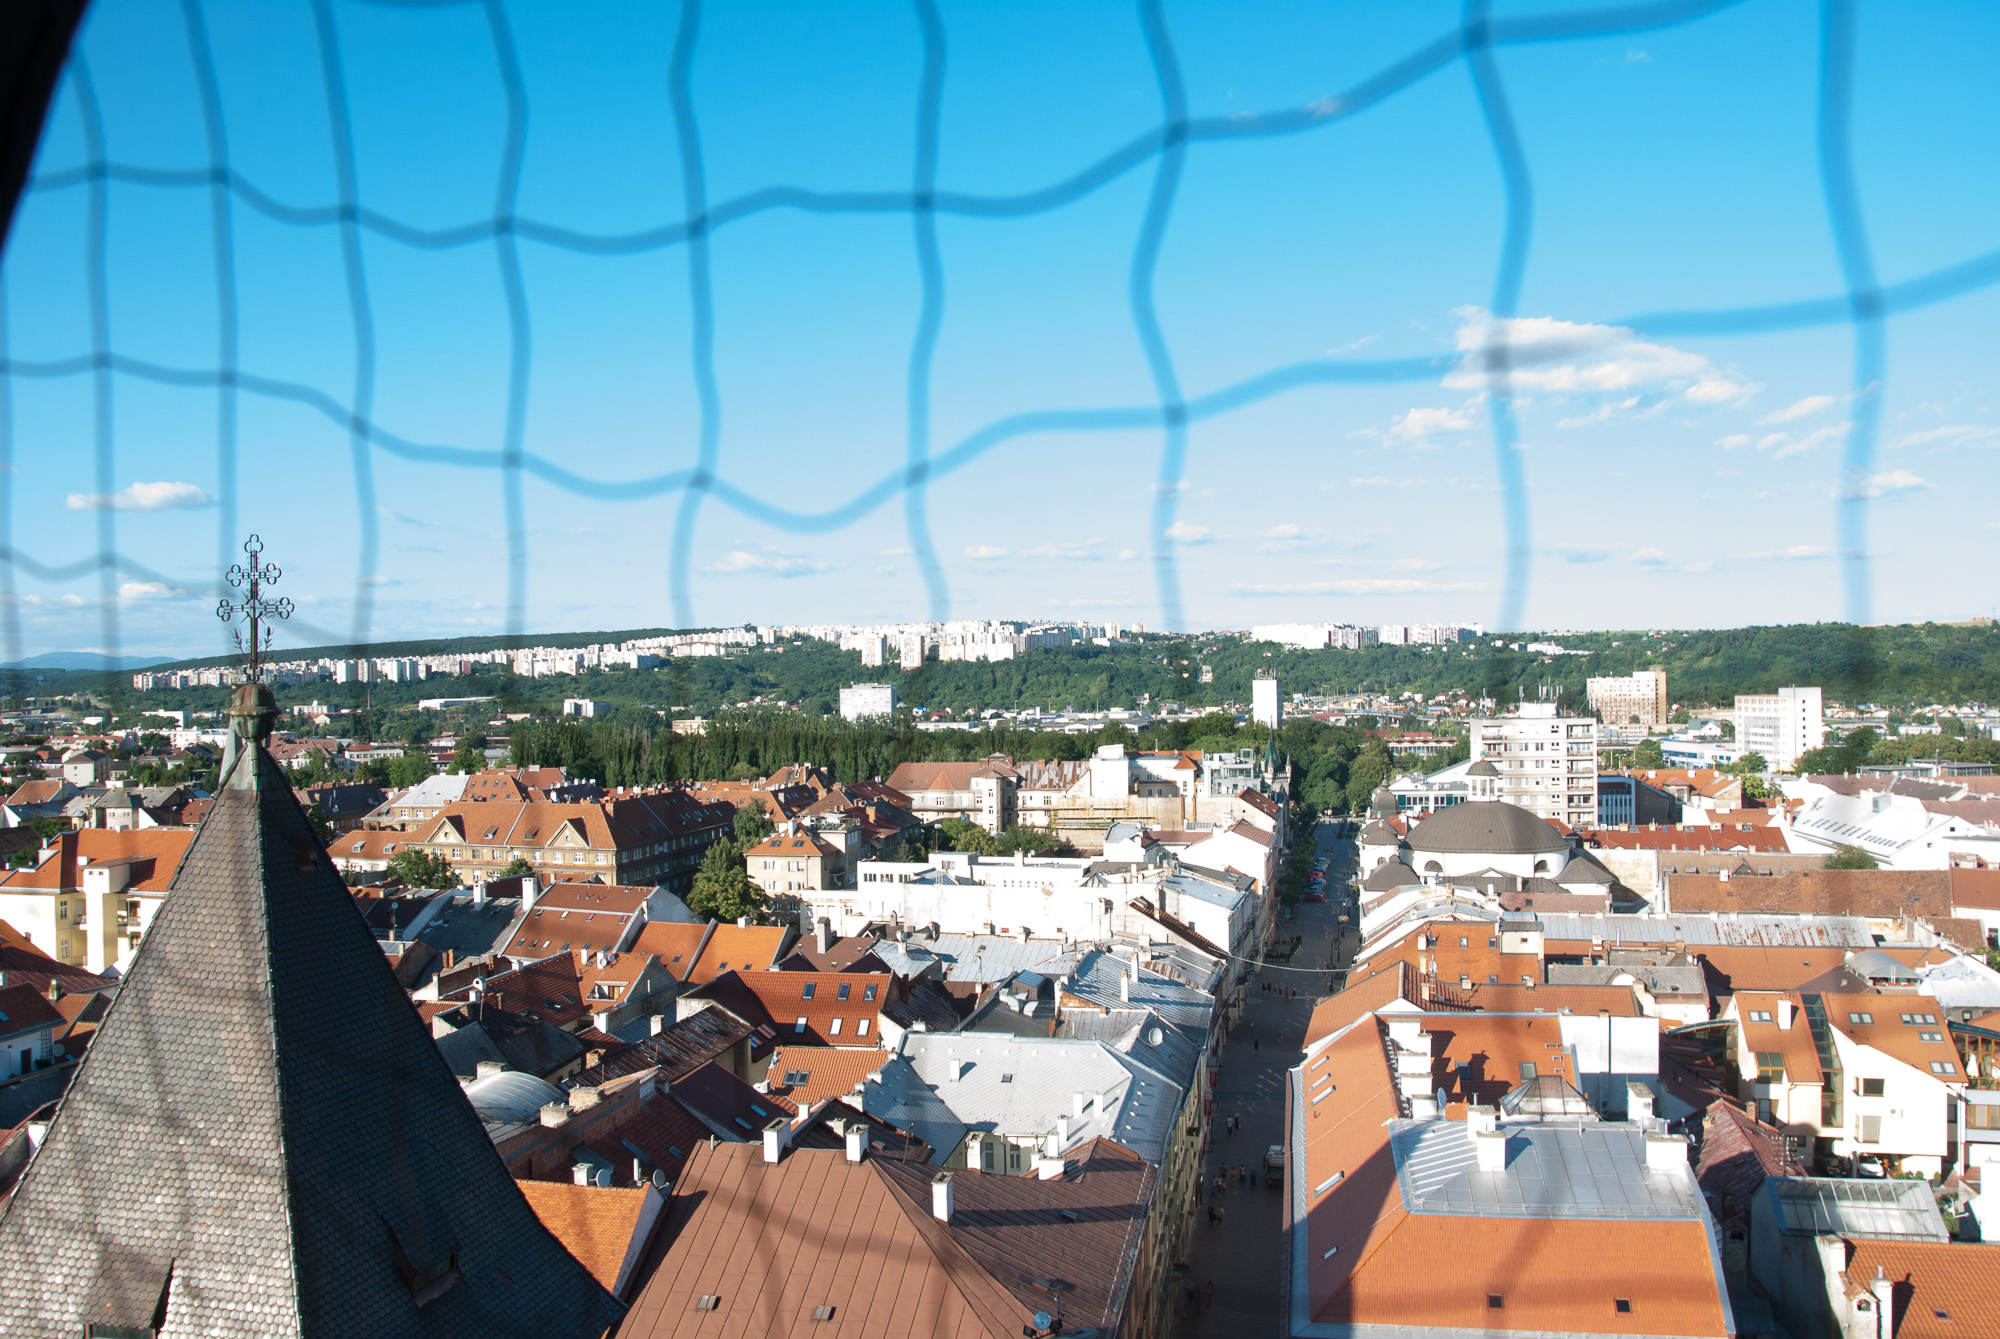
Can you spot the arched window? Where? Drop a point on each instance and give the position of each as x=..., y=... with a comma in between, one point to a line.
x=1433, y=867
x=1541, y=867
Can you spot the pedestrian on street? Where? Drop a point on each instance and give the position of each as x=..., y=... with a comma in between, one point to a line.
x=1253, y=1043
x=1208, y=1302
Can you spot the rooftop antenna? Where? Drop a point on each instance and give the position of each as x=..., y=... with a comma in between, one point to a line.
x=254, y=608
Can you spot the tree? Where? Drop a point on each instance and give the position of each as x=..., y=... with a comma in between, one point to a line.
x=321, y=823
x=1850, y=857
x=752, y=825
x=421, y=869
x=1751, y=763
x=469, y=753
x=1646, y=753
x=912, y=853
x=722, y=889
x=517, y=868
x=1033, y=840
x=958, y=834
x=1827, y=760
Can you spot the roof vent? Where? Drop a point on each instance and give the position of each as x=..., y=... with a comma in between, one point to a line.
x=941, y=1197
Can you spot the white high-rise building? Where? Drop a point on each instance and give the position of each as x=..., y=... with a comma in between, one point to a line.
x=1780, y=725
x=1266, y=708
x=1547, y=761
x=864, y=700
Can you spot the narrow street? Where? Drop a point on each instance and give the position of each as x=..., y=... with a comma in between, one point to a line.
x=1239, y=1258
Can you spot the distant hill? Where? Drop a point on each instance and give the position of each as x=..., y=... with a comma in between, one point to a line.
x=87, y=661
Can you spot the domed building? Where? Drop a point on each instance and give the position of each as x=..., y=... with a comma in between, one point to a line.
x=1486, y=834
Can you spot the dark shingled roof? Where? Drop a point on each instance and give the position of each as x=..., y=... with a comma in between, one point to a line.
x=1488, y=827
x=263, y=1139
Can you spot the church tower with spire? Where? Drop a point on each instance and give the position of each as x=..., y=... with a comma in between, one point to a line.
x=263, y=1139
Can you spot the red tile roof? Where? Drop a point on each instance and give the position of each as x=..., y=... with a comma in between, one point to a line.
x=1943, y=1290
x=596, y=1224
x=156, y=852
x=808, y=1008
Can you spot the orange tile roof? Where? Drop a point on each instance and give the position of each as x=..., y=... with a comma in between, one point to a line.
x=1494, y=1047
x=1955, y=1278
x=752, y=948
x=802, y=844
x=560, y=929
x=837, y=1008
x=1976, y=888
x=158, y=851
x=1365, y=996
x=1553, y=1276
x=1347, y=1134
x=1795, y=1043
x=1516, y=998
x=850, y=1241
x=1737, y=968
x=1889, y=1034
x=833, y=1071
x=673, y=943
x=594, y=1223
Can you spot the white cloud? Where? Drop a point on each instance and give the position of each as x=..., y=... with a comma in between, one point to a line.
x=1891, y=481
x=1798, y=409
x=1361, y=586
x=1783, y=445
x=143, y=497
x=379, y=581
x=1572, y=554
x=1286, y=531
x=1086, y=552
x=1638, y=57
x=1602, y=414
x=1950, y=434
x=1418, y=426
x=900, y=551
x=1649, y=557
x=1352, y=345
x=1734, y=440
x=984, y=551
x=135, y=591
x=1188, y=534
x=1796, y=553
x=1129, y=555
x=1547, y=356
x=766, y=563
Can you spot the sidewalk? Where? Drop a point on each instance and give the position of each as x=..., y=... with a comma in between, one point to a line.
x=1241, y=1256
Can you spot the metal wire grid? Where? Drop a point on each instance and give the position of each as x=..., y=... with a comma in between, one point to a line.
x=1865, y=305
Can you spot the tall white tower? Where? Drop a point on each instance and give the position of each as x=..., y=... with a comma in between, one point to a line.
x=1265, y=708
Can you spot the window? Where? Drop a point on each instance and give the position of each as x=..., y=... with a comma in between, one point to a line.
x=1622, y=1305
x=1982, y=1117
x=1527, y=1069
x=1920, y=1018
x=861, y=1028
x=1930, y=1036
x=1492, y=979
x=1760, y=1015
x=810, y=987
x=1463, y=942
x=868, y=994
x=1943, y=1067
x=841, y=995
x=800, y=1025
x=1871, y=1129
x=1770, y=1067
x=1493, y=942
x=1495, y=1302
x=834, y=1031
x=1861, y=1018
x=1870, y=1088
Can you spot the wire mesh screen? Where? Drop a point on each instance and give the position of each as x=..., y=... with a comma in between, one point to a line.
x=132, y=301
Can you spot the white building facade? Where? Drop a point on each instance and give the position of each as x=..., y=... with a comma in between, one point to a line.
x=1780, y=725
x=864, y=700
x=1547, y=761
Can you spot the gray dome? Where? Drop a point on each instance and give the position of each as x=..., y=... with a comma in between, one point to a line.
x=1486, y=826
x=1482, y=768
x=1389, y=876
x=1383, y=800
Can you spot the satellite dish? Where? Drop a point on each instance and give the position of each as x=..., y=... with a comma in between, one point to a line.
x=659, y=1179
x=1043, y=1320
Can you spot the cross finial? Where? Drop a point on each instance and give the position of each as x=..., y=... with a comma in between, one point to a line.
x=254, y=608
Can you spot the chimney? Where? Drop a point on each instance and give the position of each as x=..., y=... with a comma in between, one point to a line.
x=55, y=990
x=1885, y=1298
x=1489, y=1148
x=1481, y=1119
x=580, y=1173
x=1785, y=1014
x=776, y=1135
x=1048, y=1169
x=742, y=922
x=823, y=934
x=555, y=1113
x=1665, y=1152
x=479, y=893
x=955, y=1069
x=531, y=888
x=1077, y=1104
x=857, y=1141
x=1125, y=986
x=1062, y=1131
x=486, y=1069
x=583, y=1099
x=1638, y=1103
x=941, y=1197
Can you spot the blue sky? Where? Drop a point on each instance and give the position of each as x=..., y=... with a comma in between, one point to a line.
x=1683, y=475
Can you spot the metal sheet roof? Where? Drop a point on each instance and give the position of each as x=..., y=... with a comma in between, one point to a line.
x=1824, y=1206
x=1589, y=1169
x=1752, y=931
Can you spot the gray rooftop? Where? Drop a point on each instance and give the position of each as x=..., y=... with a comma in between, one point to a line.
x=1656, y=980
x=1743, y=931
x=1824, y=1206
x=1094, y=975
x=1589, y=1170
x=983, y=958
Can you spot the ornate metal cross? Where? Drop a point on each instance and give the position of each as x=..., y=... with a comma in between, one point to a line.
x=254, y=607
